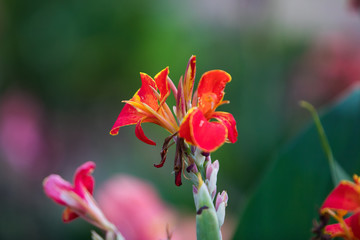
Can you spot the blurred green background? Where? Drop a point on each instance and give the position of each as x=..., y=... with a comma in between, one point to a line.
x=65, y=67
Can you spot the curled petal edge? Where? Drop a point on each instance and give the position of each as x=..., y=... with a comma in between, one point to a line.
x=141, y=135
x=212, y=84
x=229, y=121
x=83, y=179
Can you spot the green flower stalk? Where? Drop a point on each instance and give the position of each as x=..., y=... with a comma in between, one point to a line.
x=209, y=216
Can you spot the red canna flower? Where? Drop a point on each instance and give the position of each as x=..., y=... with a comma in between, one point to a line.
x=196, y=123
x=78, y=198
x=196, y=127
x=148, y=105
x=344, y=200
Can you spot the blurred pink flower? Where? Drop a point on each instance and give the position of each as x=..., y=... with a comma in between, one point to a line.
x=135, y=208
x=186, y=229
x=22, y=141
x=138, y=212
x=78, y=200
x=354, y=5
x=330, y=67
x=78, y=197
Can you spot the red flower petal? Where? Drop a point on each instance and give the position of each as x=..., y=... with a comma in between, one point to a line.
x=346, y=196
x=141, y=135
x=206, y=135
x=69, y=215
x=334, y=230
x=128, y=116
x=83, y=179
x=228, y=120
x=184, y=131
x=162, y=84
x=146, y=93
x=211, y=89
x=353, y=222
x=189, y=78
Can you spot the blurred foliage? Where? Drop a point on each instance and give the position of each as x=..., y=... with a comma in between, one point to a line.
x=294, y=187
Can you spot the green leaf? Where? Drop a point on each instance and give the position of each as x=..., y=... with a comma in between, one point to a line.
x=337, y=172
x=295, y=185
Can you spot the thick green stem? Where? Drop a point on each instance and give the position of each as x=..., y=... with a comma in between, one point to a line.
x=207, y=226
x=207, y=223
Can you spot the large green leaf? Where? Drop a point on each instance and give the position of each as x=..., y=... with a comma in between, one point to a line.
x=294, y=187
x=337, y=172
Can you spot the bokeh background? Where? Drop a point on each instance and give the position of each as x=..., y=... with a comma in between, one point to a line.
x=65, y=67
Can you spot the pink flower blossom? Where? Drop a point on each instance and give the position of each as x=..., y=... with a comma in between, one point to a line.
x=21, y=139
x=135, y=208
x=77, y=198
x=330, y=67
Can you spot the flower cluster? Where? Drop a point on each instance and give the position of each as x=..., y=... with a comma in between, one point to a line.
x=343, y=204
x=195, y=124
x=78, y=199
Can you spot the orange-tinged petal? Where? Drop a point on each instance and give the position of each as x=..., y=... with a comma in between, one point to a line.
x=229, y=121
x=189, y=78
x=184, y=131
x=128, y=116
x=146, y=93
x=162, y=84
x=69, y=215
x=211, y=89
x=346, y=196
x=141, y=135
x=206, y=135
x=158, y=117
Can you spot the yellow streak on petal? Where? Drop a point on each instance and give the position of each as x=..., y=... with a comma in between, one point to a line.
x=152, y=113
x=166, y=110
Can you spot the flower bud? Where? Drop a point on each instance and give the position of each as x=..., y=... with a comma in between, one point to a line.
x=221, y=203
x=212, y=170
